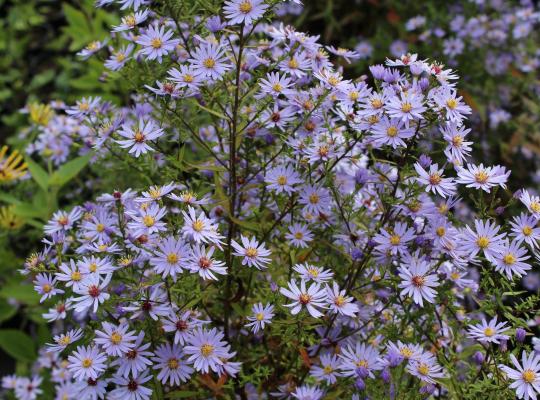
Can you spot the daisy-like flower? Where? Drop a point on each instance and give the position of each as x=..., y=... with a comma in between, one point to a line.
x=310, y=272
x=155, y=193
x=447, y=100
x=299, y=235
x=171, y=257
x=200, y=228
x=172, y=365
x=91, y=49
x=488, y=332
x=531, y=202
x=28, y=389
x=253, y=253
x=209, y=61
x=84, y=107
x=524, y=230
x=282, y=179
x=70, y=274
x=312, y=298
x=510, y=259
x=307, y=392
x=207, y=350
x=328, y=371
x=480, y=177
x=62, y=221
x=115, y=340
x=315, y=199
x=185, y=77
x=131, y=388
x=138, y=135
x=426, y=368
x=201, y=262
x=485, y=238
x=182, y=325
x=434, y=180
x=418, y=282
x=156, y=42
x=86, y=362
x=394, y=241
x=119, y=58
x=347, y=54
x=64, y=340
x=457, y=149
x=296, y=65
x=360, y=357
x=339, y=303
x=404, y=351
x=277, y=117
x=274, y=85
x=92, y=292
x=526, y=376
x=136, y=360
x=246, y=11
x=44, y=284
x=407, y=106
x=390, y=132
x=261, y=315
x=130, y=21
x=147, y=220
x=95, y=265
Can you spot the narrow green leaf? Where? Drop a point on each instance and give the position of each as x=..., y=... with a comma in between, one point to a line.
x=17, y=344
x=38, y=173
x=69, y=170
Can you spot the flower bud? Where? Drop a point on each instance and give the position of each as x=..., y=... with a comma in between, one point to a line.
x=360, y=384
x=478, y=358
x=385, y=375
x=503, y=345
x=520, y=335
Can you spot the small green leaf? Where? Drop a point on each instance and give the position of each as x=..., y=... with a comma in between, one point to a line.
x=17, y=344
x=13, y=289
x=38, y=173
x=6, y=310
x=69, y=170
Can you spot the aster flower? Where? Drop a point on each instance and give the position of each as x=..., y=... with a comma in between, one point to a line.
x=426, y=368
x=485, y=238
x=316, y=199
x=130, y=21
x=434, y=180
x=253, y=253
x=418, y=282
x=70, y=274
x=28, y=389
x=91, y=49
x=360, y=356
x=509, y=260
x=63, y=340
x=275, y=85
x=524, y=230
x=138, y=135
x=310, y=272
x=457, y=149
x=136, y=359
x=171, y=257
x=200, y=261
x=131, y=388
x=95, y=265
x=307, y=392
x=328, y=370
x=154, y=303
x=480, y=177
x=531, y=202
x=84, y=107
x=296, y=65
x=526, y=376
x=347, y=54
x=115, y=340
x=156, y=42
x=200, y=228
x=182, y=325
x=86, y=362
x=277, y=117
x=172, y=365
x=390, y=132
x=339, y=303
x=44, y=284
x=62, y=221
x=312, y=298
x=209, y=61
x=447, y=100
x=207, y=350
x=91, y=292
x=244, y=11
x=404, y=351
x=261, y=315
x=119, y=58
x=407, y=106
x=282, y=179
x=395, y=241
x=489, y=332
x=185, y=77
x=299, y=235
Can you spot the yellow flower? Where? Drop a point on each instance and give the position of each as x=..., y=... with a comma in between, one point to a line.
x=8, y=219
x=11, y=167
x=40, y=114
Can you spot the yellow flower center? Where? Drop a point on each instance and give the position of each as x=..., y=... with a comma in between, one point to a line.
x=333, y=81
x=304, y=298
x=76, y=276
x=489, y=331
x=138, y=137
x=418, y=281
x=251, y=252
x=392, y=131
x=197, y=225
x=149, y=221
x=406, y=107
x=100, y=228
x=86, y=363
x=65, y=340
x=455, y=275
x=440, y=231
x=395, y=240
x=314, y=198
x=188, y=78
x=207, y=349
x=527, y=230
x=435, y=179
x=406, y=352
x=260, y=316
x=156, y=43
x=482, y=242
x=209, y=63
x=116, y=338
x=451, y=103
x=172, y=258
x=328, y=370
x=423, y=368
x=172, y=363
x=339, y=301
x=245, y=7
x=47, y=288
x=282, y=180
x=481, y=177
x=529, y=376
x=129, y=20
x=376, y=103
x=92, y=267
x=509, y=259
x=293, y=64
x=535, y=206
x=277, y=87
x=362, y=363
x=457, y=141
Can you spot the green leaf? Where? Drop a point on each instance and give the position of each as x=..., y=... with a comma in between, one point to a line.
x=69, y=170
x=13, y=289
x=6, y=311
x=38, y=173
x=17, y=344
